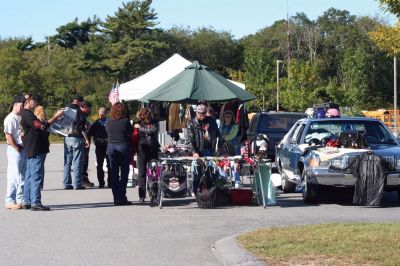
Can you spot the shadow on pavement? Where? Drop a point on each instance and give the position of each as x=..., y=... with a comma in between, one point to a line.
x=64, y=207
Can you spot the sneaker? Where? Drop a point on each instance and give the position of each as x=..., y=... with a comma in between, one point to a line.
x=40, y=208
x=68, y=187
x=79, y=187
x=12, y=206
x=87, y=184
x=27, y=206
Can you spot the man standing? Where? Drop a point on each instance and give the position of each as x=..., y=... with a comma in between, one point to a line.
x=36, y=144
x=74, y=144
x=85, y=107
x=203, y=138
x=98, y=131
x=16, y=158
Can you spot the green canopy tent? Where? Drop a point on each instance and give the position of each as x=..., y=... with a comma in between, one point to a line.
x=197, y=83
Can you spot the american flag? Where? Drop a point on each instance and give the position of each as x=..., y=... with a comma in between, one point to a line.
x=113, y=97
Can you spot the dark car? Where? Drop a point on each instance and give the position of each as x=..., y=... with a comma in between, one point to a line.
x=275, y=125
x=303, y=159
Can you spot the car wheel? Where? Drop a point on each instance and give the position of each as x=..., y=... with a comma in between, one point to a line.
x=287, y=186
x=309, y=191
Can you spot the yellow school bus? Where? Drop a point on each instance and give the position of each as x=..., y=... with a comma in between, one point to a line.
x=385, y=115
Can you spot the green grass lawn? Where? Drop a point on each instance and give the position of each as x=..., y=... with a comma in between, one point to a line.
x=326, y=244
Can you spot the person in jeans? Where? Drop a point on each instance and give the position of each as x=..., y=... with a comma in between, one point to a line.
x=16, y=158
x=36, y=144
x=85, y=107
x=98, y=131
x=74, y=144
x=42, y=116
x=119, y=130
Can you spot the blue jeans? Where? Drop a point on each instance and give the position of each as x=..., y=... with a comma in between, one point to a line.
x=33, y=177
x=119, y=157
x=73, y=152
x=16, y=168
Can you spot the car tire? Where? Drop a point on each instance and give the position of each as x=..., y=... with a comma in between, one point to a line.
x=309, y=191
x=287, y=186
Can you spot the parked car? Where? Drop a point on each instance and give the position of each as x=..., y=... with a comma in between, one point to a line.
x=275, y=125
x=302, y=160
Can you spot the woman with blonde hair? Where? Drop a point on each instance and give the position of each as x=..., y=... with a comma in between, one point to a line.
x=42, y=116
x=148, y=146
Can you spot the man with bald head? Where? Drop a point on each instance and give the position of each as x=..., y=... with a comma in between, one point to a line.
x=98, y=131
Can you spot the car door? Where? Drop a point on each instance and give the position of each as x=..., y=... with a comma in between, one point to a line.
x=284, y=147
x=293, y=152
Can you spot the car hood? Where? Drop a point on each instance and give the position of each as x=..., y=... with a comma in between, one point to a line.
x=327, y=153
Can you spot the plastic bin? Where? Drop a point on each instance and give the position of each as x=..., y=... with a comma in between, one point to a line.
x=241, y=196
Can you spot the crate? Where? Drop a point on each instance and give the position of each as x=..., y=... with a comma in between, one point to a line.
x=241, y=196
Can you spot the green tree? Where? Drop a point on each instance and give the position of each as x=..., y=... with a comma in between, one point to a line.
x=134, y=19
x=134, y=47
x=75, y=33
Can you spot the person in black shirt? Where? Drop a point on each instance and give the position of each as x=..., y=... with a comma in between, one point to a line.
x=203, y=139
x=85, y=107
x=74, y=144
x=148, y=146
x=119, y=130
x=98, y=131
x=36, y=144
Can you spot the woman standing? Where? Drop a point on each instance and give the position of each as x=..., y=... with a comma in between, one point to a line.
x=119, y=132
x=229, y=131
x=42, y=116
x=148, y=146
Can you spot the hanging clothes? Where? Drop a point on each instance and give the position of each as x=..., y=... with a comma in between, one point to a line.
x=176, y=117
x=369, y=169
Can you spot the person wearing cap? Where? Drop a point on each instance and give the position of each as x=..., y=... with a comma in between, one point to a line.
x=203, y=135
x=16, y=159
x=99, y=133
x=36, y=144
x=74, y=145
x=86, y=107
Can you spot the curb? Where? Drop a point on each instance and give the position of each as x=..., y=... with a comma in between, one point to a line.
x=228, y=252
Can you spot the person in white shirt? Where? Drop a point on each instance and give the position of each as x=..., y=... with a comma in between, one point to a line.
x=16, y=157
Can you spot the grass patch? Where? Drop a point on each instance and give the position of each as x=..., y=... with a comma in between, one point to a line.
x=326, y=244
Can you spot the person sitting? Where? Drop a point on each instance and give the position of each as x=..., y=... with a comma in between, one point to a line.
x=229, y=131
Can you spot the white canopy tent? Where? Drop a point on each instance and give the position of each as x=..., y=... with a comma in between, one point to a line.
x=140, y=86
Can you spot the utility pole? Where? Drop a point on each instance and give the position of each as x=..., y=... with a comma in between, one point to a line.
x=277, y=83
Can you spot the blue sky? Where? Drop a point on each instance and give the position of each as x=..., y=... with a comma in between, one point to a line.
x=40, y=18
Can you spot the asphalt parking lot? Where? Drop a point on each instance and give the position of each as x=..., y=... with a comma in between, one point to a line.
x=85, y=228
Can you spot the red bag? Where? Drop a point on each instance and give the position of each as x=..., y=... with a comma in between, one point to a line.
x=135, y=142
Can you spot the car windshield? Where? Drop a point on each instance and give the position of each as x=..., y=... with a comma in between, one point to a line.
x=277, y=123
x=375, y=132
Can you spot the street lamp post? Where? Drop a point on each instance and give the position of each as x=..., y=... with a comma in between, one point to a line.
x=277, y=83
x=395, y=93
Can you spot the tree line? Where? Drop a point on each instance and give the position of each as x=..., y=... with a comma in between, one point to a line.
x=331, y=58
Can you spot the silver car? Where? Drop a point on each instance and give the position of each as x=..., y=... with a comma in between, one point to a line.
x=303, y=159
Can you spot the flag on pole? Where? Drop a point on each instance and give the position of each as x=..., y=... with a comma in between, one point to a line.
x=113, y=97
